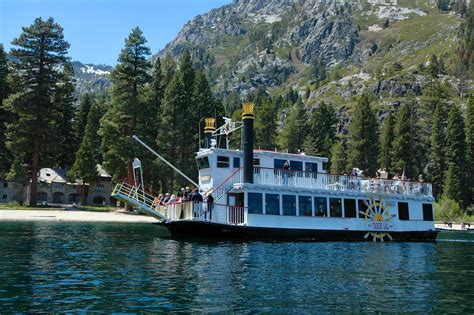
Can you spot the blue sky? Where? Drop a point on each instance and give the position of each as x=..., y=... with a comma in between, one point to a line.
x=96, y=29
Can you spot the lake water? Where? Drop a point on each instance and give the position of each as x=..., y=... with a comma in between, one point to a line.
x=137, y=267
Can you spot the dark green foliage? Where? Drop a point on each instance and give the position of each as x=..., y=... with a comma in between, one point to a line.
x=318, y=70
x=470, y=147
x=363, y=142
x=437, y=153
x=5, y=117
x=128, y=108
x=39, y=53
x=338, y=158
x=405, y=144
x=89, y=154
x=85, y=105
x=265, y=124
x=387, y=135
x=295, y=129
x=66, y=142
x=456, y=175
x=321, y=131
x=436, y=67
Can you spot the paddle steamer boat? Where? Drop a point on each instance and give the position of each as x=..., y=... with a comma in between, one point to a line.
x=256, y=197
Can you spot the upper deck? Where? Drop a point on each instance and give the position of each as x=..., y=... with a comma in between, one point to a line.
x=218, y=168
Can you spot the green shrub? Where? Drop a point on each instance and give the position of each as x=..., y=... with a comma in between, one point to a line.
x=448, y=210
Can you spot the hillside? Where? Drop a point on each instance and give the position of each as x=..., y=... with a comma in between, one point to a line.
x=331, y=49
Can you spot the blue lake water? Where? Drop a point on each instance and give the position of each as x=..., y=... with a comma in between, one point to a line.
x=137, y=267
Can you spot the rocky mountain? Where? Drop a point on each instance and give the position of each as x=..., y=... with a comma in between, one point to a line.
x=91, y=78
x=329, y=48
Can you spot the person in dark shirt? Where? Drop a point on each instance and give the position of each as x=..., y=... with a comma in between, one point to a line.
x=210, y=205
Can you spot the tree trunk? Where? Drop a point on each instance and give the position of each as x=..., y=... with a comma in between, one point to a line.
x=34, y=174
x=83, y=193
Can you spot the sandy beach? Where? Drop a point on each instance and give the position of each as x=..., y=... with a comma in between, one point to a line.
x=73, y=216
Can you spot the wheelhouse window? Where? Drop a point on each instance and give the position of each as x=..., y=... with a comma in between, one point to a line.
x=223, y=161
x=403, y=213
x=335, y=207
x=255, y=203
x=277, y=163
x=296, y=165
x=256, y=162
x=350, y=208
x=203, y=163
x=304, y=203
x=272, y=204
x=289, y=205
x=5, y=185
x=236, y=162
x=320, y=207
x=363, y=206
x=428, y=212
x=311, y=169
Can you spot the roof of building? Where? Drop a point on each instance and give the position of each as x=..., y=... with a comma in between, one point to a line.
x=50, y=175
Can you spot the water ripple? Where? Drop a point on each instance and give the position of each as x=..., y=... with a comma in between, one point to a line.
x=75, y=267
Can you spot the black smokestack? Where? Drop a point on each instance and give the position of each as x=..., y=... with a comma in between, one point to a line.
x=247, y=118
x=209, y=128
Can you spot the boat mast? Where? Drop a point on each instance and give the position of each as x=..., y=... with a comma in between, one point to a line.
x=164, y=160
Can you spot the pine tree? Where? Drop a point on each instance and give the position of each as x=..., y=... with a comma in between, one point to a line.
x=363, y=132
x=66, y=141
x=85, y=105
x=88, y=155
x=39, y=54
x=321, y=131
x=338, y=158
x=386, y=142
x=405, y=145
x=437, y=153
x=265, y=124
x=294, y=130
x=5, y=117
x=456, y=177
x=122, y=119
x=170, y=137
x=470, y=147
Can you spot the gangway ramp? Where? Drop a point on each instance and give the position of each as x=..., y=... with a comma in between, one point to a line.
x=137, y=197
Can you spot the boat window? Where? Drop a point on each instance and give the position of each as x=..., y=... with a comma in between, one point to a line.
x=320, y=207
x=304, y=203
x=277, y=163
x=289, y=205
x=335, y=207
x=223, y=161
x=349, y=208
x=272, y=204
x=427, y=212
x=255, y=203
x=256, y=162
x=236, y=162
x=403, y=211
x=311, y=169
x=296, y=165
x=363, y=206
x=203, y=163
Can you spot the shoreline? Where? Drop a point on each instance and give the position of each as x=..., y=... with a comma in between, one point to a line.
x=73, y=216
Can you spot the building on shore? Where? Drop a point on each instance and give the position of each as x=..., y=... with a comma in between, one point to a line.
x=55, y=188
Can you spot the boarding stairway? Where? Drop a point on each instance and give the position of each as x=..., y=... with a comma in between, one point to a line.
x=137, y=197
x=227, y=185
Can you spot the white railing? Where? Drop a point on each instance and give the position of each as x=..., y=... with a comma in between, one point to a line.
x=226, y=185
x=300, y=179
x=138, y=197
x=204, y=212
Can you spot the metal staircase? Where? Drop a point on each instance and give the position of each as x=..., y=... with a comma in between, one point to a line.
x=137, y=197
x=226, y=185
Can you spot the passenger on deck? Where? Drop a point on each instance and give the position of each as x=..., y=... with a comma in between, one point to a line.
x=187, y=194
x=166, y=198
x=286, y=168
x=210, y=205
x=171, y=200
